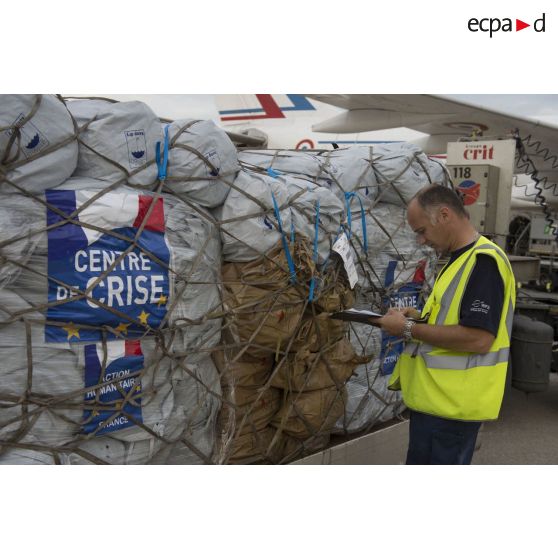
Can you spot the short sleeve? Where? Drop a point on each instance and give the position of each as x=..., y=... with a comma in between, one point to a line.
x=483, y=298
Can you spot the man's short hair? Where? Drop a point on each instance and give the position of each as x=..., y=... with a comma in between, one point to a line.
x=436, y=195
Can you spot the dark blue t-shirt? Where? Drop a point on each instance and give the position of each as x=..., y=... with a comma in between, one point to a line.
x=483, y=299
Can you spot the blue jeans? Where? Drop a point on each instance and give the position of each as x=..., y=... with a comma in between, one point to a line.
x=439, y=441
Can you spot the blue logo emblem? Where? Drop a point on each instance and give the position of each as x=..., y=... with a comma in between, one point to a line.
x=34, y=142
x=137, y=148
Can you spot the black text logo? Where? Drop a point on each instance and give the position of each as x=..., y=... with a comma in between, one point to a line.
x=494, y=25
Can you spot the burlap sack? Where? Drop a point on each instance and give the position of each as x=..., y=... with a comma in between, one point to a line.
x=245, y=372
x=318, y=331
x=254, y=447
x=264, y=308
x=292, y=448
x=308, y=371
x=306, y=414
x=252, y=409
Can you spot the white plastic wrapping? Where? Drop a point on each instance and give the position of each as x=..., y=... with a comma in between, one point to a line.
x=249, y=224
x=119, y=143
x=44, y=389
x=44, y=151
x=402, y=169
x=340, y=170
x=202, y=161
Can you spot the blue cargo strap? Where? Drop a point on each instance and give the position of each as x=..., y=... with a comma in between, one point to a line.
x=316, y=233
x=284, y=240
x=162, y=166
x=348, y=197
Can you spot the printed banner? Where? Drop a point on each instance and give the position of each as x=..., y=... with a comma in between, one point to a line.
x=407, y=295
x=102, y=404
x=130, y=297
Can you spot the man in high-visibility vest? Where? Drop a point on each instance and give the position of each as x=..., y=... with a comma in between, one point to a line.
x=453, y=368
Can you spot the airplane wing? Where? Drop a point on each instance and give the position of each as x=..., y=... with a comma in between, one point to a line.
x=443, y=119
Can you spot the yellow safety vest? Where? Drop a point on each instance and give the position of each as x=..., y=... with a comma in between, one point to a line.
x=451, y=384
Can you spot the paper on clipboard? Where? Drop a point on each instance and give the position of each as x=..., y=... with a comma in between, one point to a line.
x=355, y=315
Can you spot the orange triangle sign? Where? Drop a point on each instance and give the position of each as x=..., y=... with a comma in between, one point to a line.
x=519, y=25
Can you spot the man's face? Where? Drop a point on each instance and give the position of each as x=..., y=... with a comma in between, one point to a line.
x=429, y=228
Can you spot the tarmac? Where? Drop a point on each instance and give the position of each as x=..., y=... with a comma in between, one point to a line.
x=526, y=432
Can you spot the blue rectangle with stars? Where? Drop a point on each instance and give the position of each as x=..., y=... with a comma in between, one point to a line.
x=114, y=402
x=132, y=297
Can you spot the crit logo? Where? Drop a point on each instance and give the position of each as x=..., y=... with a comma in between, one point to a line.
x=494, y=24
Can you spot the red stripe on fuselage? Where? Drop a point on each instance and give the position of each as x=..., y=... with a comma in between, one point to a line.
x=271, y=110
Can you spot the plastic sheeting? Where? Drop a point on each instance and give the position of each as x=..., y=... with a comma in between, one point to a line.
x=202, y=161
x=52, y=349
x=387, y=173
x=38, y=145
x=119, y=142
x=249, y=222
x=340, y=170
x=402, y=169
x=250, y=226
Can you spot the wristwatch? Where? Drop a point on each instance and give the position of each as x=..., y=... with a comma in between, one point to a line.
x=407, y=335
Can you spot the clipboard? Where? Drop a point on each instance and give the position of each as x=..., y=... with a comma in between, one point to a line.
x=354, y=315
x=366, y=317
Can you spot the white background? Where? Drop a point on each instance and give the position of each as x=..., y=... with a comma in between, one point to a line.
x=245, y=47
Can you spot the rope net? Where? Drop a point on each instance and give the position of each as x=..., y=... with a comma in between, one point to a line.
x=167, y=299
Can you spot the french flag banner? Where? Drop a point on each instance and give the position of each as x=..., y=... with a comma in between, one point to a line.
x=104, y=407
x=406, y=295
x=131, y=296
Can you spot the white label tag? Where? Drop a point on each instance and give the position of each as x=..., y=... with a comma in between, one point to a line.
x=343, y=248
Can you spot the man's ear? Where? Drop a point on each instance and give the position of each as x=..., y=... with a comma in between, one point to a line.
x=443, y=214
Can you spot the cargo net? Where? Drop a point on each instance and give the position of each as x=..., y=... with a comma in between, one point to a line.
x=165, y=299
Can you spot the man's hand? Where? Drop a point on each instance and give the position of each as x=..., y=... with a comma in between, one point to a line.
x=393, y=322
x=412, y=313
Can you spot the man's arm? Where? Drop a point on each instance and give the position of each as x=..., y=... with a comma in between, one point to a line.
x=453, y=337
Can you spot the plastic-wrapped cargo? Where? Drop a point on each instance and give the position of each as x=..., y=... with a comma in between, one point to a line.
x=115, y=309
x=181, y=431
x=119, y=142
x=341, y=170
x=202, y=162
x=388, y=173
x=402, y=169
x=287, y=161
x=115, y=282
x=250, y=225
x=65, y=400
x=38, y=143
x=172, y=267
x=310, y=205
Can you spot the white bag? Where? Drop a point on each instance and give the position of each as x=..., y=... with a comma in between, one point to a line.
x=44, y=152
x=119, y=143
x=202, y=160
